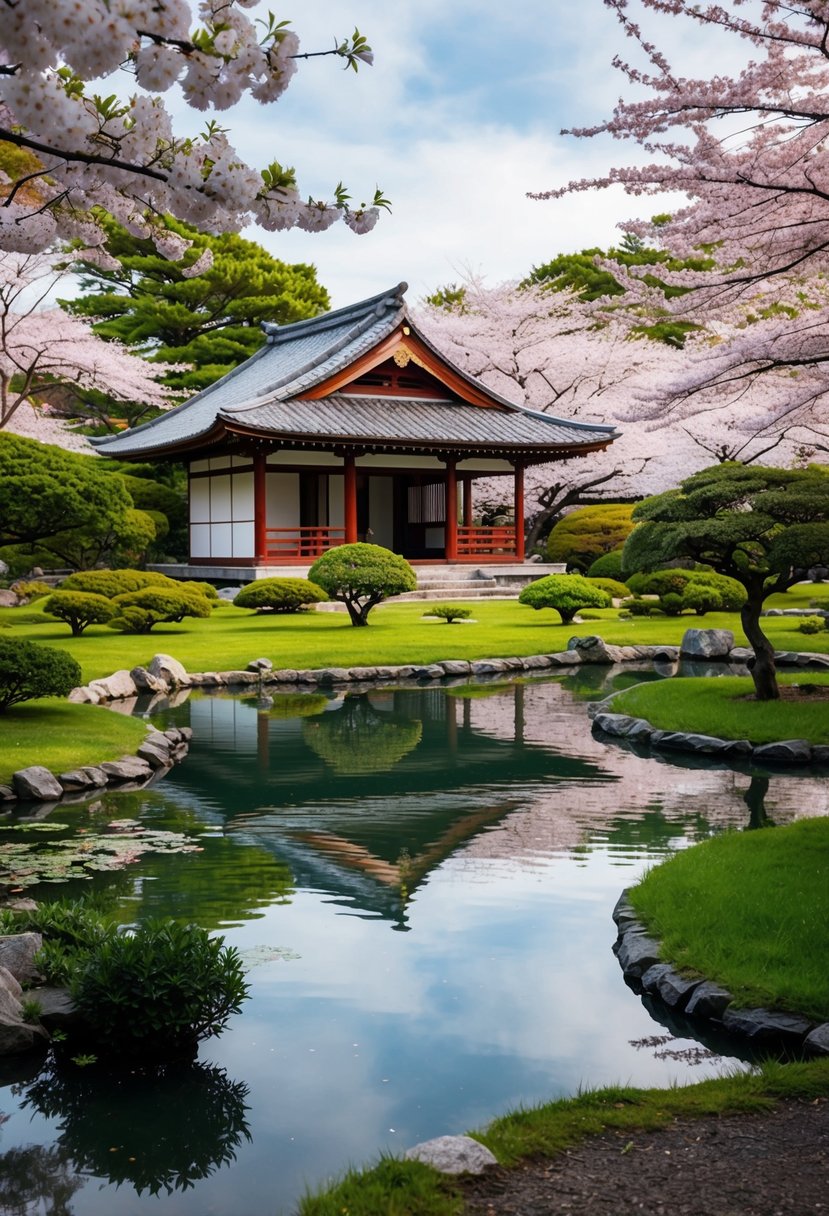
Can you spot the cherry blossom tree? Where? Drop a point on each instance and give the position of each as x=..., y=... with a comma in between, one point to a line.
x=552, y=351
x=41, y=347
x=80, y=149
x=747, y=151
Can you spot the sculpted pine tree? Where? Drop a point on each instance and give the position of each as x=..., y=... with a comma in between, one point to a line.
x=763, y=527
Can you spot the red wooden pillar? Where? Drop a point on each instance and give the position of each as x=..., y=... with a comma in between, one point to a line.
x=260, y=508
x=451, y=545
x=519, y=512
x=467, y=502
x=350, y=498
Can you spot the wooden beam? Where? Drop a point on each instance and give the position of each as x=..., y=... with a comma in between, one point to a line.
x=451, y=533
x=467, y=501
x=519, y=512
x=350, y=498
x=260, y=508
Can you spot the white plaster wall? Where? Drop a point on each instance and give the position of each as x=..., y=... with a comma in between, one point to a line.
x=283, y=500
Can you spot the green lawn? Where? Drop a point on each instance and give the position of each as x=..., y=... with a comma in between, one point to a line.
x=721, y=707
x=751, y=911
x=397, y=633
x=61, y=736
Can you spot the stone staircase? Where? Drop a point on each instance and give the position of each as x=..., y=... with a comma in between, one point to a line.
x=448, y=583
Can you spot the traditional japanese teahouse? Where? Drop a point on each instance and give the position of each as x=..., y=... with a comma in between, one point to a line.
x=347, y=427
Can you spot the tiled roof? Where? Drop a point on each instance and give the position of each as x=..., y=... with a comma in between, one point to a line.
x=261, y=394
x=412, y=421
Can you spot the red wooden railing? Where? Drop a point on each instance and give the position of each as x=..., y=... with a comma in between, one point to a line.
x=302, y=542
x=482, y=542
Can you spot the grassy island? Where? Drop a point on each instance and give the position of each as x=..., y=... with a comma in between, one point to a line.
x=61, y=736
x=725, y=707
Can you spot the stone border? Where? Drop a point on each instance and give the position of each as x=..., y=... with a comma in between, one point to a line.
x=640, y=957
x=155, y=757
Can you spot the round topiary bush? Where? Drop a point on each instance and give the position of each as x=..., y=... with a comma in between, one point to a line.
x=609, y=565
x=813, y=624
x=360, y=576
x=280, y=595
x=79, y=609
x=700, y=598
x=159, y=990
x=115, y=582
x=139, y=611
x=28, y=671
x=567, y=593
x=616, y=590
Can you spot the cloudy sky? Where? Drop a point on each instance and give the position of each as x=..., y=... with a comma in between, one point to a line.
x=460, y=117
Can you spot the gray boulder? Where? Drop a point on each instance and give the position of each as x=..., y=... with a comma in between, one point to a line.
x=451, y=667
x=145, y=681
x=115, y=687
x=84, y=695
x=637, y=952
x=817, y=1041
x=17, y=955
x=767, y=1026
x=706, y=644
x=16, y=1036
x=593, y=649
x=8, y=599
x=453, y=1155
x=7, y=794
x=169, y=669
x=57, y=1009
x=76, y=779
x=156, y=755
x=787, y=751
x=260, y=665
x=669, y=985
x=37, y=784
x=705, y=745
x=615, y=724
x=128, y=768
x=708, y=1000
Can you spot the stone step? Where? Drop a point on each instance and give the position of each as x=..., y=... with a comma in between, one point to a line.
x=469, y=592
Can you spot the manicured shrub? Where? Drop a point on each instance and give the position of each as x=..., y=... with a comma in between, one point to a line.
x=589, y=532
x=567, y=593
x=449, y=613
x=158, y=990
x=28, y=671
x=139, y=611
x=360, y=576
x=33, y=590
x=115, y=582
x=637, y=606
x=812, y=624
x=671, y=603
x=678, y=581
x=700, y=598
x=616, y=590
x=78, y=609
x=609, y=565
x=280, y=595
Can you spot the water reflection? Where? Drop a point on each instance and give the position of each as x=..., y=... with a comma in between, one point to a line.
x=159, y=1132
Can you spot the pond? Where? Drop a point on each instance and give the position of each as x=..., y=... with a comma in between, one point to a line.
x=421, y=883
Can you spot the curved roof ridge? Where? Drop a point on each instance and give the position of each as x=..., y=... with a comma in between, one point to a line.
x=374, y=306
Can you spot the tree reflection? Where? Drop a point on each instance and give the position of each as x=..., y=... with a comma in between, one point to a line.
x=357, y=739
x=162, y=1131
x=35, y=1180
x=755, y=800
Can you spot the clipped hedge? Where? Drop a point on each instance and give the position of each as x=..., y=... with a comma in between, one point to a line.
x=79, y=609
x=280, y=595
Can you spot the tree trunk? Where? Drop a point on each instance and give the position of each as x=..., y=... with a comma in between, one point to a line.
x=763, y=671
x=755, y=800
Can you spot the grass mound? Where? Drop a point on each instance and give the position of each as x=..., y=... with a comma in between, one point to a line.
x=722, y=706
x=62, y=736
x=751, y=911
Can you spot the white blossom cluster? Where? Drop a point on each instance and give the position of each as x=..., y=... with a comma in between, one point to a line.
x=122, y=153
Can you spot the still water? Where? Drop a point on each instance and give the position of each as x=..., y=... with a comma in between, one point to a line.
x=421, y=883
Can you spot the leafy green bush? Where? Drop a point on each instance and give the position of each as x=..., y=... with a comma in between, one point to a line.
x=701, y=598
x=822, y=604
x=449, y=613
x=280, y=595
x=617, y=591
x=609, y=565
x=78, y=609
x=115, y=582
x=671, y=603
x=158, y=990
x=637, y=606
x=33, y=590
x=28, y=671
x=139, y=611
x=360, y=576
x=589, y=532
x=567, y=593
x=813, y=624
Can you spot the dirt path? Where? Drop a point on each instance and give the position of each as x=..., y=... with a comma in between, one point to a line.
x=774, y=1164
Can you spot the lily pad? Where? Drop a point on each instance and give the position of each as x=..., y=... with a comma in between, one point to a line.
x=254, y=956
x=25, y=864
